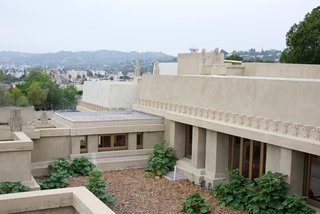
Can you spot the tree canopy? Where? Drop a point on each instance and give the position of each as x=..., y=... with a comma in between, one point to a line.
x=303, y=40
x=44, y=93
x=234, y=57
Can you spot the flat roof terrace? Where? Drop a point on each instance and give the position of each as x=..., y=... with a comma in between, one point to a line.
x=122, y=115
x=121, y=121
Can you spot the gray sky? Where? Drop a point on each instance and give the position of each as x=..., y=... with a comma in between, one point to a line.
x=170, y=26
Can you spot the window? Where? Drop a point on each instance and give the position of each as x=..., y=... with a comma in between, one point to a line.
x=312, y=180
x=248, y=156
x=188, y=152
x=139, y=141
x=83, y=145
x=113, y=142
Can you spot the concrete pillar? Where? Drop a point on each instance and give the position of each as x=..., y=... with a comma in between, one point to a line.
x=166, y=134
x=198, y=147
x=92, y=143
x=289, y=163
x=132, y=141
x=75, y=145
x=217, y=150
x=177, y=138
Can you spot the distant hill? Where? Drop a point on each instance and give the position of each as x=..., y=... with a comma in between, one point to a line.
x=78, y=59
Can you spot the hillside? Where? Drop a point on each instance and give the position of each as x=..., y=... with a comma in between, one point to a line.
x=76, y=59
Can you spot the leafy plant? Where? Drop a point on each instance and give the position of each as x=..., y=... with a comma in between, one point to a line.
x=161, y=161
x=12, y=187
x=56, y=180
x=62, y=168
x=263, y=195
x=60, y=165
x=234, y=192
x=295, y=204
x=195, y=203
x=81, y=166
x=267, y=193
x=97, y=186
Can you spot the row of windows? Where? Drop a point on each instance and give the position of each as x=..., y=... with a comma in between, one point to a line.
x=112, y=142
x=246, y=155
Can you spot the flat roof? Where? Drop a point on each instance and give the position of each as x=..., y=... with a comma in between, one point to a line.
x=118, y=115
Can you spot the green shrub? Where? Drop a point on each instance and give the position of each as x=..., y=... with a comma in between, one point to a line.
x=234, y=191
x=161, y=161
x=294, y=204
x=61, y=165
x=264, y=195
x=97, y=186
x=12, y=187
x=267, y=193
x=54, y=181
x=61, y=168
x=195, y=203
x=81, y=166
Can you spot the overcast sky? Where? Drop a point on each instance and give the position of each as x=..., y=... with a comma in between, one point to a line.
x=170, y=26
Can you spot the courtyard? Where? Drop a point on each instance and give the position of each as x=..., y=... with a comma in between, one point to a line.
x=135, y=193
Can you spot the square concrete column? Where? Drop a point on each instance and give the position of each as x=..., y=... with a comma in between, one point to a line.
x=217, y=150
x=178, y=138
x=288, y=162
x=132, y=141
x=198, y=147
x=75, y=145
x=92, y=143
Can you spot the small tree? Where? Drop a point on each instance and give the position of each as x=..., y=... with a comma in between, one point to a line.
x=36, y=94
x=70, y=95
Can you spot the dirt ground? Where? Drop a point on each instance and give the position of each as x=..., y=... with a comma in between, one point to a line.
x=136, y=194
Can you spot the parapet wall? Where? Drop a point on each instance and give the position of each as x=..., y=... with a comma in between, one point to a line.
x=282, y=70
x=110, y=94
x=292, y=100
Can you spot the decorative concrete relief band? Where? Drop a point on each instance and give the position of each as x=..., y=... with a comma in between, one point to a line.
x=266, y=124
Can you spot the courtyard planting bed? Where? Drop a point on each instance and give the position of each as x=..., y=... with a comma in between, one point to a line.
x=135, y=193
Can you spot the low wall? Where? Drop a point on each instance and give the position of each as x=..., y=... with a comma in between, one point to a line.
x=76, y=200
x=110, y=94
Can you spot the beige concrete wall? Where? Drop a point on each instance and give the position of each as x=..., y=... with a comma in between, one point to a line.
x=282, y=70
x=27, y=113
x=151, y=138
x=79, y=198
x=48, y=148
x=192, y=63
x=15, y=166
x=110, y=94
x=15, y=160
x=286, y=100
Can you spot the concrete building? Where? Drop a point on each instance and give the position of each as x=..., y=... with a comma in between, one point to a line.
x=215, y=113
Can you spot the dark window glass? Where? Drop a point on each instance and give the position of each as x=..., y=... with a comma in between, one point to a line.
x=246, y=157
x=139, y=141
x=105, y=141
x=120, y=140
x=188, y=141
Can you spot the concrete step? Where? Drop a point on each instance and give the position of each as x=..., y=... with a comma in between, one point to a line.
x=117, y=163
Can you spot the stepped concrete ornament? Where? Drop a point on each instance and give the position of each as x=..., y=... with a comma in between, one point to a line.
x=137, y=70
x=44, y=118
x=156, y=70
x=15, y=120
